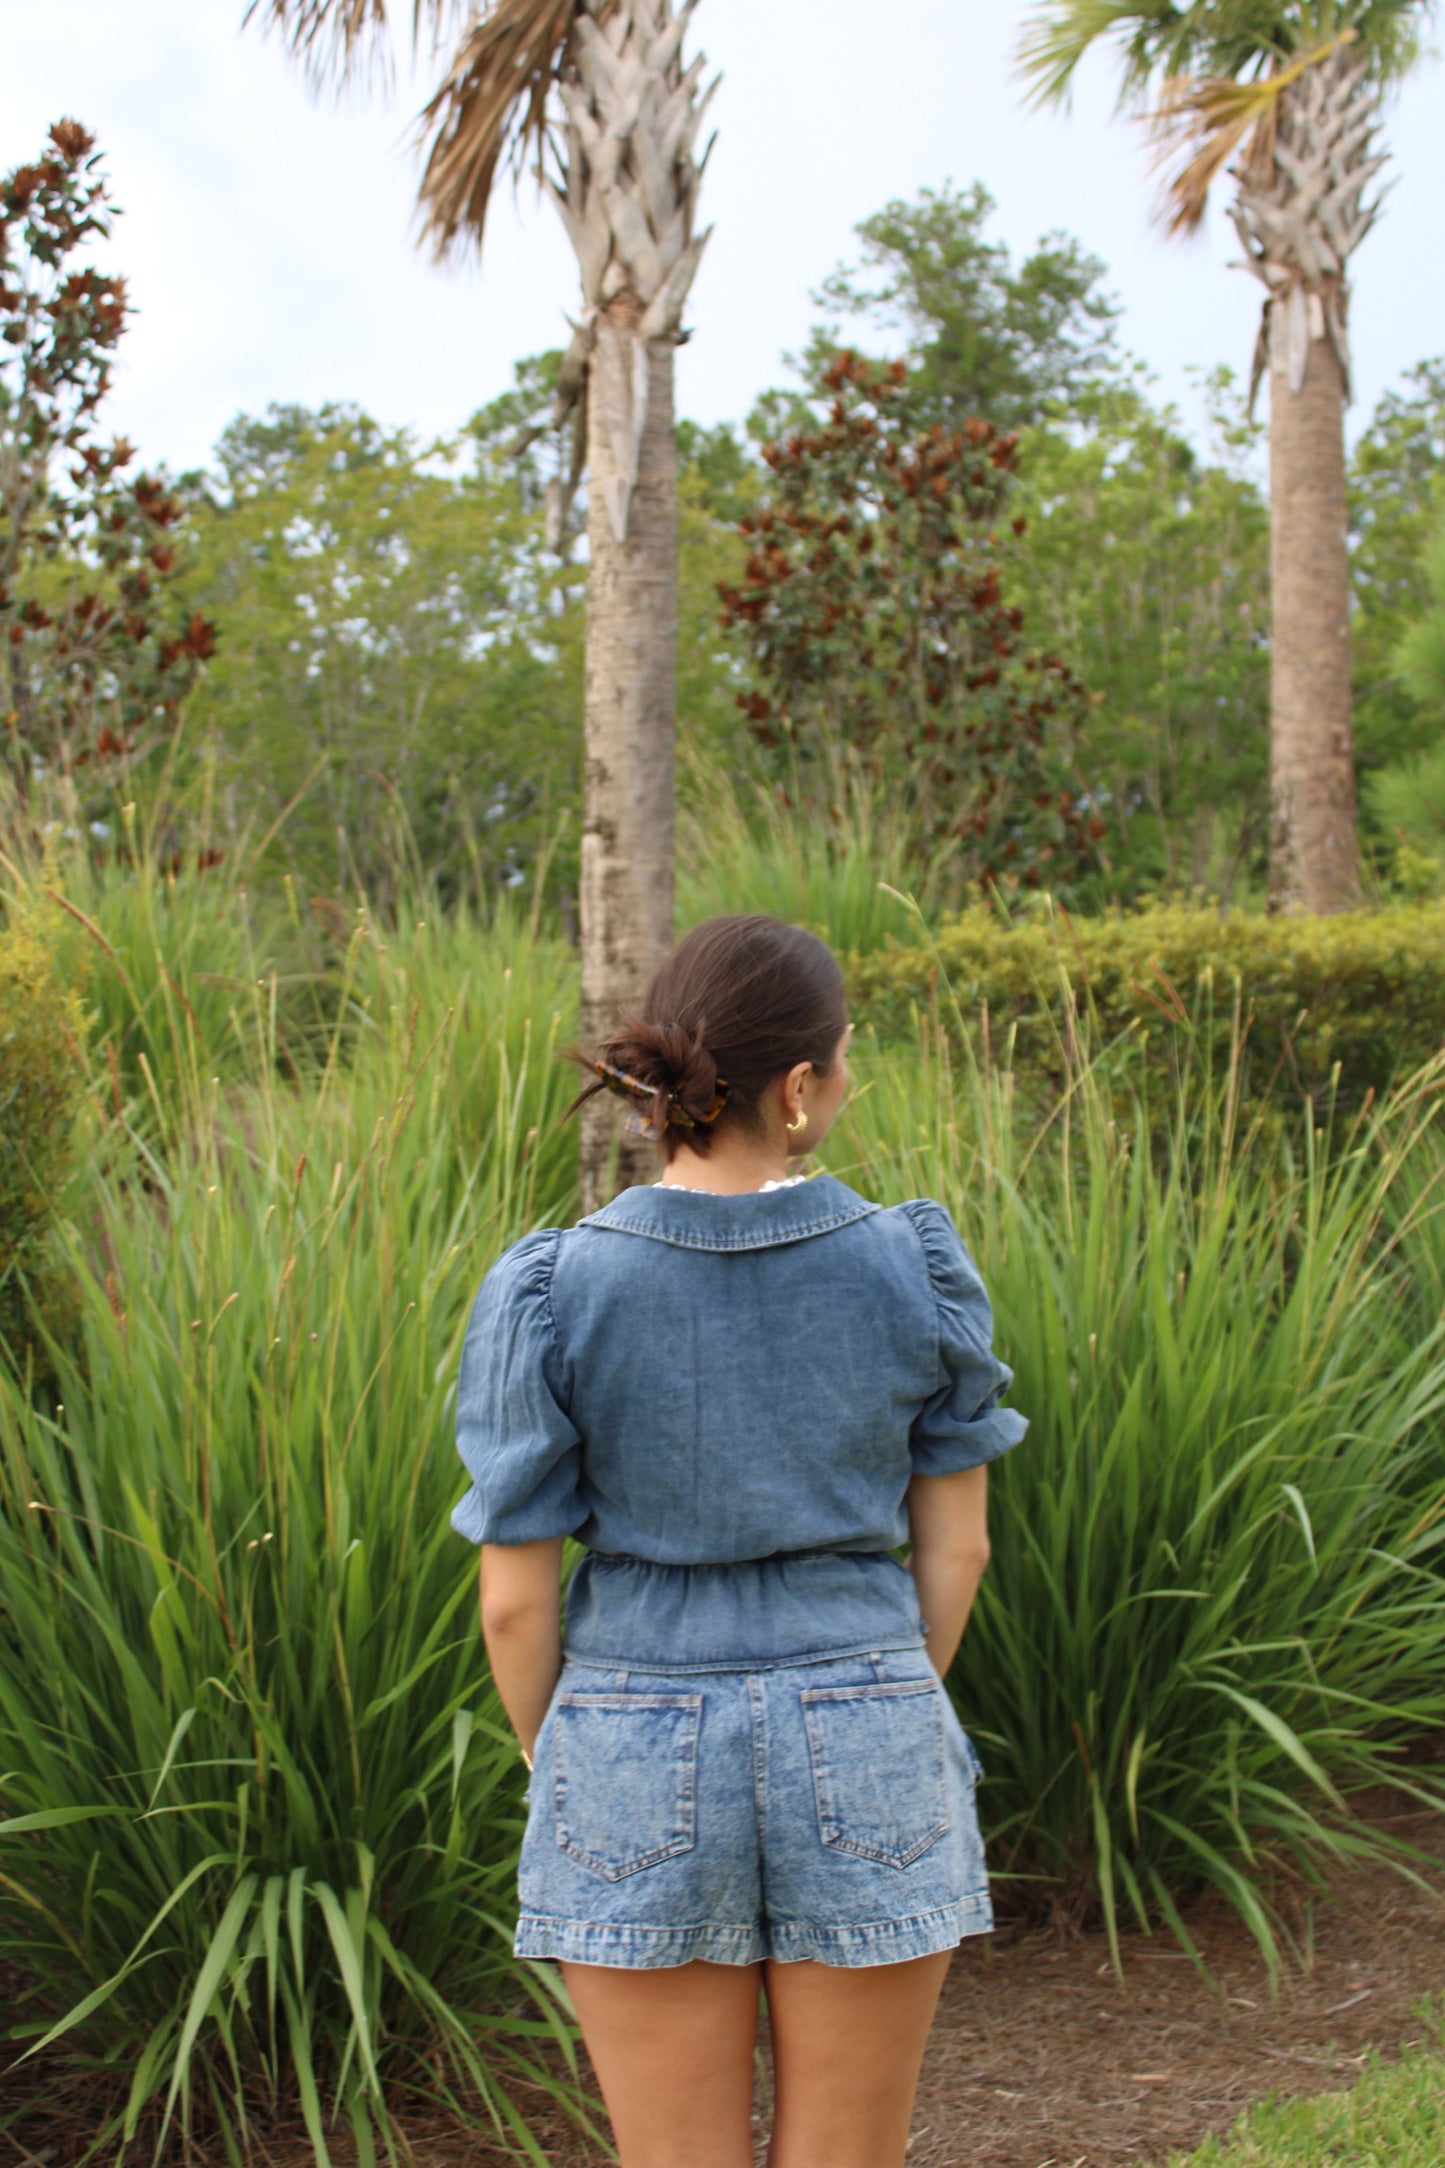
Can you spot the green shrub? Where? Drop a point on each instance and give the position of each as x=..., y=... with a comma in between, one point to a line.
x=41, y=1028
x=1364, y=991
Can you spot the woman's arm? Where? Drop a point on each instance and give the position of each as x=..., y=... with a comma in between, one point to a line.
x=521, y=1598
x=948, y=1523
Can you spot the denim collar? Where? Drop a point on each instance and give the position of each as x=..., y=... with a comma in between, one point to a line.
x=750, y=1222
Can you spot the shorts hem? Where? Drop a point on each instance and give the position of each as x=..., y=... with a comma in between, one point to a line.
x=881, y=1942
x=639, y=1949
x=649, y=1949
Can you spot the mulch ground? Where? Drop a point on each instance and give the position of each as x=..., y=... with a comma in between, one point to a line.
x=1042, y=2058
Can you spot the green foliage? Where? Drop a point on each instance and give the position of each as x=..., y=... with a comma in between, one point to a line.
x=983, y=338
x=98, y=651
x=173, y=959
x=1420, y=659
x=41, y=1036
x=1407, y=803
x=396, y=635
x=843, y=870
x=1144, y=565
x=717, y=482
x=260, y=1809
x=1364, y=991
x=1215, y=1612
x=1160, y=39
x=1149, y=569
x=1396, y=503
x=1393, y=2118
x=872, y=603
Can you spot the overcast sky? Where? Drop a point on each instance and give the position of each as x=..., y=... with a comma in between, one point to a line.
x=268, y=238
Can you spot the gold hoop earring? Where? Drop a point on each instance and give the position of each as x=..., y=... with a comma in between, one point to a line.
x=799, y=1124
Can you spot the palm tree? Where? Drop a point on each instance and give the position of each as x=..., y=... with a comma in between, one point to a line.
x=1291, y=91
x=597, y=93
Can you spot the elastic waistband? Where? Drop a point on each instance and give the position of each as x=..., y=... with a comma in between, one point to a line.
x=729, y=1565
x=630, y=1613
x=656, y=1670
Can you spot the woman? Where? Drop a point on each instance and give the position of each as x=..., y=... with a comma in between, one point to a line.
x=742, y=1392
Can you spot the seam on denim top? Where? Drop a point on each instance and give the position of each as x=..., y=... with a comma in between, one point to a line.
x=907, y=1209
x=546, y=1268
x=784, y=1215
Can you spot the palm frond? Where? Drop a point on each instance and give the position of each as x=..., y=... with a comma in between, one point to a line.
x=1209, y=118
x=1058, y=33
x=335, y=40
x=493, y=101
x=1161, y=40
x=1055, y=37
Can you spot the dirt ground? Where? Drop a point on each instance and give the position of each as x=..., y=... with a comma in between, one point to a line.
x=1041, y=2058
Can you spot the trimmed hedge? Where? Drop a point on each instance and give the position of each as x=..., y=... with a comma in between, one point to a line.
x=1364, y=991
x=41, y=1029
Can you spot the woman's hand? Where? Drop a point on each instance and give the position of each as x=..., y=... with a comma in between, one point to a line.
x=521, y=1598
x=948, y=1524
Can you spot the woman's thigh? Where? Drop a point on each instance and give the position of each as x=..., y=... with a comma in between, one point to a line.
x=673, y=2052
x=847, y=2047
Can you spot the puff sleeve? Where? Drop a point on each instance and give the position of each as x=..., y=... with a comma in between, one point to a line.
x=961, y=1424
x=520, y=1446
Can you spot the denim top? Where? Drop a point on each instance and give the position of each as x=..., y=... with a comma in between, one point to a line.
x=724, y=1399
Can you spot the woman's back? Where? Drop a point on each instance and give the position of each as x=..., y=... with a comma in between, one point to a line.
x=690, y=1379
x=689, y=1383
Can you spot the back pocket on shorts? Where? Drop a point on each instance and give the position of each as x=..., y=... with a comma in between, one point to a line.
x=626, y=1779
x=878, y=1775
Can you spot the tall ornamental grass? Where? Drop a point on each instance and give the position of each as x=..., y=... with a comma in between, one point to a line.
x=260, y=1806
x=834, y=854
x=1215, y=1614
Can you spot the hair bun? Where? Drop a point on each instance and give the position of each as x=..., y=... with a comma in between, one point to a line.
x=674, y=1060
x=744, y=994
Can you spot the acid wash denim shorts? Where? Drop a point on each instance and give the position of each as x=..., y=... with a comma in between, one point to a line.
x=801, y=1809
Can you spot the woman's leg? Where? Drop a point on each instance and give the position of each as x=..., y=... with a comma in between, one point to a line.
x=673, y=2052
x=847, y=2048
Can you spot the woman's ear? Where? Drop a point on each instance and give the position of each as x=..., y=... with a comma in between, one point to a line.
x=793, y=1083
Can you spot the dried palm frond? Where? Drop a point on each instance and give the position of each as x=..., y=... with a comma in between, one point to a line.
x=492, y=103
x=1211, y=117
x=334, y=40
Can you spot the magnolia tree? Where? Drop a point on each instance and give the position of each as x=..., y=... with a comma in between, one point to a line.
x=873, y=606
x=98, y=652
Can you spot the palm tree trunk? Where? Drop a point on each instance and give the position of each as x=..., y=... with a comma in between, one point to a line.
x=630, y=728
x=1314, y=857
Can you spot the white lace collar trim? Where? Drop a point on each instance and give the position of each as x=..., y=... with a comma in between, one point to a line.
x=680, y=1189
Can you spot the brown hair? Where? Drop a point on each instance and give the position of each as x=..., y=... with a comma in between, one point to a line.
x=739, y=1001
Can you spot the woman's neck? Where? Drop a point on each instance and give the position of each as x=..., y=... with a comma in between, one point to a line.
x=729, y=1169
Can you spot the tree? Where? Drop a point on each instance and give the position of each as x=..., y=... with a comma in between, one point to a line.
x=397, y=636
x=598, y=91
x=1147, y=566
x=1291, y=89
x=1420, y=657
x=98, y=653
x=872, y=601
x=982, y=337
x=1396, y=493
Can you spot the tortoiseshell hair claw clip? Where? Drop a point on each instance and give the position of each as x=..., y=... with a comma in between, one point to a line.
x=642, y=1099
